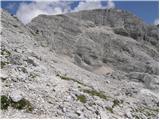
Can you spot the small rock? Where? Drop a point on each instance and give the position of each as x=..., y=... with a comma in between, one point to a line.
x=16, y=59
x=78, y=112
x=69, y=98
x=31, y=61
x=128, y=114
x=3, y=75
x=103, y=114
x=64, y=110
x=16, y=96
x=108, y=104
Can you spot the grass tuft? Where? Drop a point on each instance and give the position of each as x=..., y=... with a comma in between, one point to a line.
x=150, y=113
x=82, y=98
x=5, y=102
x=5, y=52
x=22, y=104
x=64, y=77
x=33, y=75
x=4, y=63
x=96, y=93
x=109, y=109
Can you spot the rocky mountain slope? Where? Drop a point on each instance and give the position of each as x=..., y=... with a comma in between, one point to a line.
x=89, y=64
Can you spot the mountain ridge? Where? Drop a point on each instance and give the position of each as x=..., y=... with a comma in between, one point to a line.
x=78, y=28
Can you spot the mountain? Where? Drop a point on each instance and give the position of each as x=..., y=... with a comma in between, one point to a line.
x=99, y=63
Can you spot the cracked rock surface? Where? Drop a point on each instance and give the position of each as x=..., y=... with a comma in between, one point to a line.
x=88, y=64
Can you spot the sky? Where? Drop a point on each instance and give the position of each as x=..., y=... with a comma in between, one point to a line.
x=27, y=10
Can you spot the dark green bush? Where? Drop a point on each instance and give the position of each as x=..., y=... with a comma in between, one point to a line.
x=4, y=63
x=5, y=102
x=95, y=93
x=82, y=98
x=22, y=104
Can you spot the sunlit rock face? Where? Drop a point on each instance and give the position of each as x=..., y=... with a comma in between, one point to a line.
x=93, y=38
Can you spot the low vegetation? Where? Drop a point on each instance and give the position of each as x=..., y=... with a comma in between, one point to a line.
x=82, y=98
x=95, y=93
x=4, y=63
x=64, y=77
x=5, y=102
x=33, y=75
x=110, y=109
x=5, y=52
x=116, y=102
x=147, y=111
x=22, y=104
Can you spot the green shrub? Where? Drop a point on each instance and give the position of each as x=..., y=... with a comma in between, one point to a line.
x=5, y=52
x=33, y=75
x=95, y=93
x=109, y=109
x=149, y=112
x=82, y=98
x=4, y=63
x=64, y=77
x=5, y=102
x=22, y=104
x=116, y=102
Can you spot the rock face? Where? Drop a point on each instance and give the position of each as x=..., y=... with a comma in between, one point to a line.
x=89, y=64
x=94, y=38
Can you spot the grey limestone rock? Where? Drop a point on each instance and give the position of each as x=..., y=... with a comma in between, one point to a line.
x=16, y=95
x=99, y=63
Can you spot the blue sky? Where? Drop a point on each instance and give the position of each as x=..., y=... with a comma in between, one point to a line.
x=25, y=10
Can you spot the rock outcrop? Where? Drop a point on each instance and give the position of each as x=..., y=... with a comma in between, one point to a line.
x=94, y=38
x=88, y=64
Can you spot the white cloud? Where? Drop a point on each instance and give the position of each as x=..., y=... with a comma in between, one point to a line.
x=110, y=4
x=156, y=22
x=27, y=11
x=88, y=5
x=93, y=4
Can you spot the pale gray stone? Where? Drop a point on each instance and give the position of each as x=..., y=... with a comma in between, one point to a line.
x=16, y=95
x=62, y=64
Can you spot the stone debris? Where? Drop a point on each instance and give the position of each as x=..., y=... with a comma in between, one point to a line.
x=90, y=64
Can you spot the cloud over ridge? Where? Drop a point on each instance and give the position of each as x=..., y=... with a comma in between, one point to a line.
x=27, y=11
